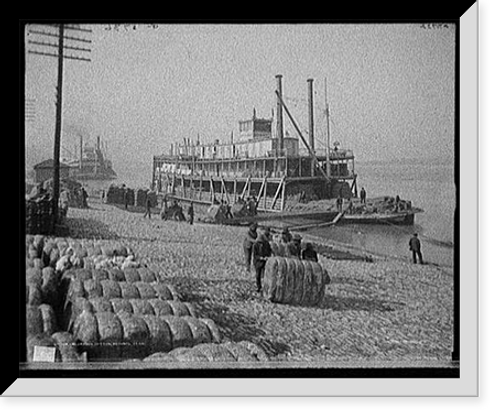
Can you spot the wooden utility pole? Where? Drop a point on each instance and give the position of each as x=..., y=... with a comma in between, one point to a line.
x=57, y=138
x=61, y=47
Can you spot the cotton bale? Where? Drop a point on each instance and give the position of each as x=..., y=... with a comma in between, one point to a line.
x=146, y=291
x=135, y=335
x=162, y=291
x=129, y=290
x=199, y=330
x=111, y=336
x=146, y=274
x=93, y=288
x=68, y=348
x=49, y=319
x=141, y=306
x=116, y=274
x=214, y=330
x=160, y=336
x=179, y=308
x=121, y=304
x=216, y=353
x=189, y=355
x=161, y=307
x=34, y=320
x=131, y=275
x=180, y=330
x=100, y=274
x=34, y=295
x=111, y=289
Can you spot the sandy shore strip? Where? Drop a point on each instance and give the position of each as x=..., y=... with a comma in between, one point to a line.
x=384, y=311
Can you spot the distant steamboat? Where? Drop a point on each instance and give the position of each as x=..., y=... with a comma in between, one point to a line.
x=91, y=164
x=271, y=170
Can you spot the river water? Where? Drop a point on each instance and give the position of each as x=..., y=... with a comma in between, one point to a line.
x=429, y=186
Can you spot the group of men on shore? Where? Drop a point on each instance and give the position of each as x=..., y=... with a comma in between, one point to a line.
x=257, y=249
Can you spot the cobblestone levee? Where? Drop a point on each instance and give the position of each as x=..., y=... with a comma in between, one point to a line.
x=388, y=311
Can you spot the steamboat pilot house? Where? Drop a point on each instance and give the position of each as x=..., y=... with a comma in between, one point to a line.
x=275, y=170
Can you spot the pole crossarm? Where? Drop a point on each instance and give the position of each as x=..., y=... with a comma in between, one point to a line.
x=71, y=38
x=67, y=57
x=48, y=44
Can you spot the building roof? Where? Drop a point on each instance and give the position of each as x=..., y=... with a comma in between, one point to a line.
x=47, y=164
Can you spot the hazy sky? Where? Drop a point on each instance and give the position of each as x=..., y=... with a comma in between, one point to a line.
x=390, y=87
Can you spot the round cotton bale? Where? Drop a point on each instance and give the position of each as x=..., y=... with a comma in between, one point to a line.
x=34, y=320
x=175, y=295
x=100, y=305
x=160, y=337
x=80, y=273
x=88, y=263
x=108, y=251
x=298, y=286
x=93, y=288
x=39, y=243
x=28, y=263
x=111, y=289
x=34, y=295
x=179, y=308
x=146, y=274
x=216, y=353
x=32, y=252
x=160, y=357
x=47, y=249
x=100, y=274
x=146, y=291
x=289, y=279
x=162, y=291
x=41, y=339
x=75, y=289
x=68, y=349
x=54, y=257
x=94, y=250
x=49, y=319
x=181, y=332
x=116, y=274
x=111, y=336
x=37, y=263
x=34, y=276
x=214, y=330
x=121, y=304
x=199, y=330
x=255, y=350
x=189, y=355
x=161, y=307
x=131, y=275
x=73, y=309
x=50, y=286
x=121, y=250
x=190, y=308
x=86, y=330
x=239, y=352
x=129, y=290
x=135, y=335
x=270, y=280
x=141, y=306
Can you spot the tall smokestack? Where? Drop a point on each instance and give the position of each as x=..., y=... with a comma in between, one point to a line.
x=311, y=114
x=279, y=114
x=81, y=151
